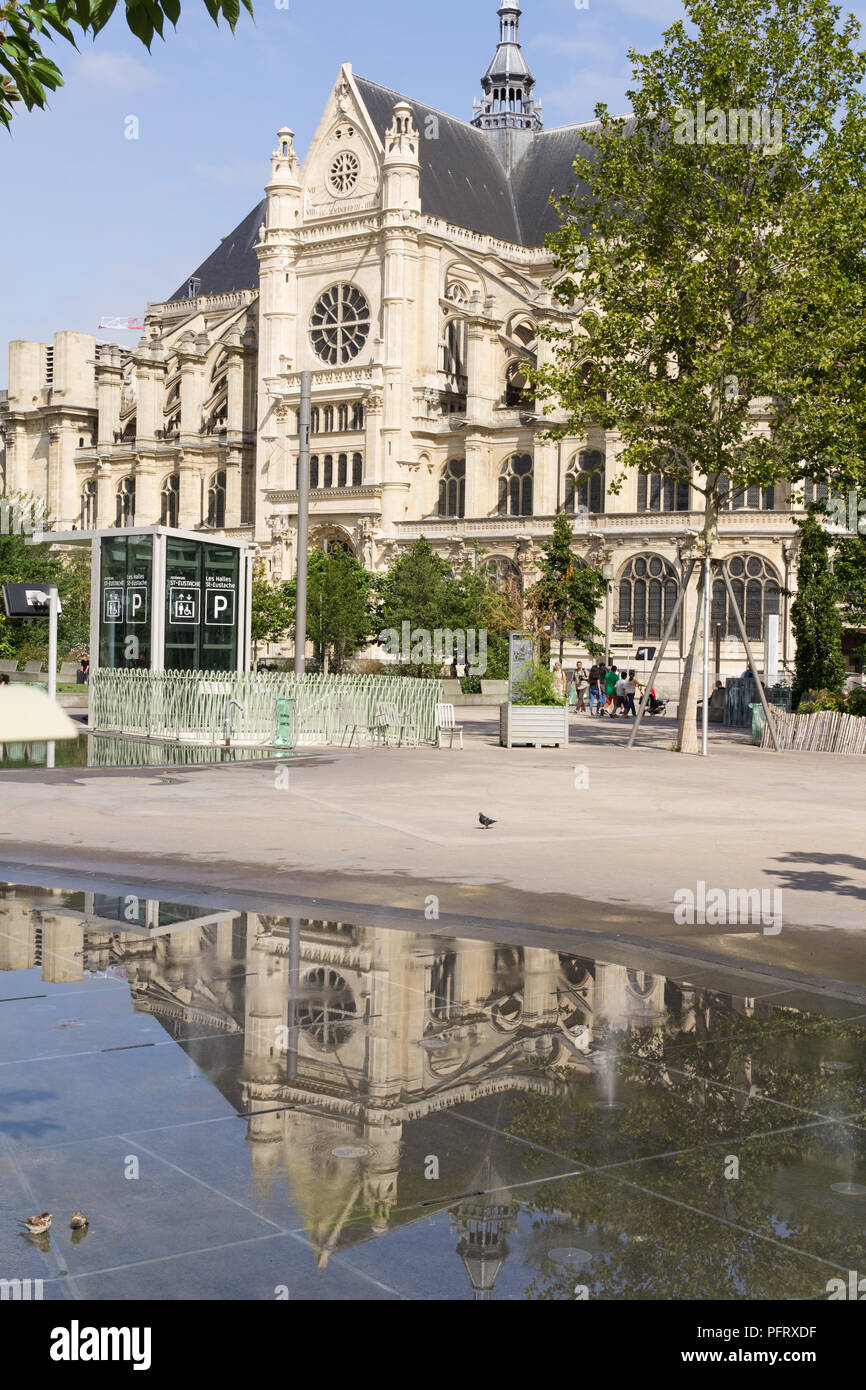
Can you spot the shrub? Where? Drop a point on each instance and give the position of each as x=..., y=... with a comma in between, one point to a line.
x=536, y=688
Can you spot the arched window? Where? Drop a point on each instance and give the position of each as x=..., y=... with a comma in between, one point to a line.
x=648, y=590
x=357, y=416
x=328, y=419
x=88, y=505
x=658, y=492
x=452, y=489
x=168, y=500
x=314, y=420
x=505, y=574
x=515, y=486
x=756, y=591
x=342, y=418
x=357, y=470
x=124, y=514
x=314, y=471
x=342, y=470
x=216, y=500
x=584, y=482
x=328, y=471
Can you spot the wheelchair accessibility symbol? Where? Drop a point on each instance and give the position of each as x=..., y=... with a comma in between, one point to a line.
x=184, y=607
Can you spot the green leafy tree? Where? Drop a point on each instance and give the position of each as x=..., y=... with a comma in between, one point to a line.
x=815, y=618
x=567, y=593
x=489, y=608
x=419, y=589
x=340, y=616
x=27, y=74
x=22, y=563
x=849, y=572
x=273, y=612
x=714, y=280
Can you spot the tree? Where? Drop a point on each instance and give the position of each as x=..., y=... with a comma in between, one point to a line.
x=815, y=616
x=340, y=617
x=22, y=563
x=26, y=72
x=849, y=572
x=567, y=592
x=490, y=609
x=419, y=589
x=273, y=612
x=710, y=263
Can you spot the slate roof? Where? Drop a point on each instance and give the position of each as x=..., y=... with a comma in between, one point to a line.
x=462, y=181
x=546, y=167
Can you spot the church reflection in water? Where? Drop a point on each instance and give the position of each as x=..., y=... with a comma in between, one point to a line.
x=338, y=1042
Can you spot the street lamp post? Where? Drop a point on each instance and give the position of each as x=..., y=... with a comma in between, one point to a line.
x=303, y=521
x=607, y=573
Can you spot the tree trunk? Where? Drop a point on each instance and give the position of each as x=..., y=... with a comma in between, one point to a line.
x=687, y=711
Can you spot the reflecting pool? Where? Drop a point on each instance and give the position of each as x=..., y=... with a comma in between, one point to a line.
x=257, y=1107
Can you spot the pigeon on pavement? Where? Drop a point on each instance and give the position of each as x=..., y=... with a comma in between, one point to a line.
x=484, y=821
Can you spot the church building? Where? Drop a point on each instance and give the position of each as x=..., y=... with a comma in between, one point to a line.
x=402, y=262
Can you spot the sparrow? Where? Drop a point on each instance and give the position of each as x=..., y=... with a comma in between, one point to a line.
x=77, y=1220
x=484, y=821
x=37, y=1225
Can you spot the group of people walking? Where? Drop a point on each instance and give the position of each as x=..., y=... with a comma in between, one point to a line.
x=602, y=690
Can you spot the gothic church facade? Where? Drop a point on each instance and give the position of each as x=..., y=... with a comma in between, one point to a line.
x=403, y=263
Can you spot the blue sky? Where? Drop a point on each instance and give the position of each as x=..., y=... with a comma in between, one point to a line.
x=93, y=223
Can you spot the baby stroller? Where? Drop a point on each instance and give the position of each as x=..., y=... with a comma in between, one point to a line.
x=655, y=705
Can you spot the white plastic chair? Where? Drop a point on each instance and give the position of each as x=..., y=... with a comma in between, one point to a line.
x=445, y=725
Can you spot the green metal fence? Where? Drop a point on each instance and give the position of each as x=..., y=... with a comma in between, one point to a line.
x=191, y=705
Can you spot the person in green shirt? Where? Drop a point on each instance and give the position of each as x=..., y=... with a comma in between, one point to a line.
x=610, y=681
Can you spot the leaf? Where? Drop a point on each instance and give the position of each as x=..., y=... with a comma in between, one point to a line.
x=139, y=23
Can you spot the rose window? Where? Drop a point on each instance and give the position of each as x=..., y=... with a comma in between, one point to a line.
x=340, y=324
x=343, y=173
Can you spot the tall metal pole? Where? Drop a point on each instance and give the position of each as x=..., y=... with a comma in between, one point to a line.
x=52, y=662
x=303, y=520
x=705, y=712
x=607, y=571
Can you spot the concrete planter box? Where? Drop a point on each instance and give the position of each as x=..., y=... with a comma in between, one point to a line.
x=539, y=725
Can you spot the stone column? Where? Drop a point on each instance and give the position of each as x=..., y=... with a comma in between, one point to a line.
x=105, y=494
x=109, y=384
x=189, y=507
x=480, y=497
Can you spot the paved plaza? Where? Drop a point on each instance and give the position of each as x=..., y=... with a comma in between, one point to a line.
x=590, y=838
